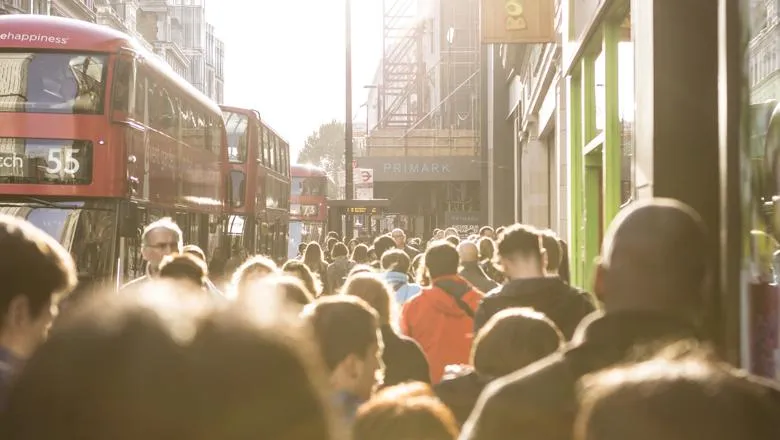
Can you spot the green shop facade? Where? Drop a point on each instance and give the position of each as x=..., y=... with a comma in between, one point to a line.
x=661, y=100
x=597, y=61
x=655, y=96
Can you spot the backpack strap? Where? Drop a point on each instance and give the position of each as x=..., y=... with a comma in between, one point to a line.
x=463, y=306
x=459, y=301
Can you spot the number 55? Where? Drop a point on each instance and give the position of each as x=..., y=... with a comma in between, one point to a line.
x=71, y=165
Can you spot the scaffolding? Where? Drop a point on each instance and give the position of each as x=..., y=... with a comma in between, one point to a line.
x=428, y=97
x=430, y=66
x=401, y=64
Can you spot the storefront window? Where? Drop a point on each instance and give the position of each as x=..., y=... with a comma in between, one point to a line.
x=626, y=111
x=761, y=194
x=601, y=109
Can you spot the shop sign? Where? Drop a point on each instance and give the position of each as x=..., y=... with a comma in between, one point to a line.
x=518, y=21
x=422, y=169
x=466, y=223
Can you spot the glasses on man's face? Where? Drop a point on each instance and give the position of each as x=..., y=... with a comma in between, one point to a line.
x=164, y=246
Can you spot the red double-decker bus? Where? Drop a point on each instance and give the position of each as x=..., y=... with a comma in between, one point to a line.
x=259, y=204
x=99, y=137
x=308, y=206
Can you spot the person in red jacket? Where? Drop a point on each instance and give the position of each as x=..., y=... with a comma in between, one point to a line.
x=441, y=317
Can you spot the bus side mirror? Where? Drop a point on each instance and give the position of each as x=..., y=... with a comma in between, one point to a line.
x=129, y=219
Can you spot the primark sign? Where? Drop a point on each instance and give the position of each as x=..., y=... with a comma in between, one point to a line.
x=422, y=169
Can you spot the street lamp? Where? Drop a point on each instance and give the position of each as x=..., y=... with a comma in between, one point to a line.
x=348, y=179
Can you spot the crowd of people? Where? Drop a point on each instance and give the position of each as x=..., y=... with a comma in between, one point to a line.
x=478, y=338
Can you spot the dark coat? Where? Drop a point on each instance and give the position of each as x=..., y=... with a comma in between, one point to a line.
x=563, y=304
x=539, y=402
x=460, y=394
x=337, y=272
x=474, y=274
x=403, y=358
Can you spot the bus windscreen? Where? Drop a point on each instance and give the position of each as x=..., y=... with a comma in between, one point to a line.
x=52, y=82
x=309, y=186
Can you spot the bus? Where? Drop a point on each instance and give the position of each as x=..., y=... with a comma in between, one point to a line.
x=99, y=137
x=259, y=167
x=308, y=206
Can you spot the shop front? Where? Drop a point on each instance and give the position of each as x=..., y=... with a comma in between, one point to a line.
x=679, y=99
x=598, y=64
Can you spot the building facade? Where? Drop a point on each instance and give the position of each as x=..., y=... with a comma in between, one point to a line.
x=560, y=128
x=764, y=51
x=423, y=116
x=175, y=30
x=672, y=99
x=24, y=7
x=85, y=10
x=527, y=148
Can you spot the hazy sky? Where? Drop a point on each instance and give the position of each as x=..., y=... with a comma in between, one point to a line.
x=285, y=58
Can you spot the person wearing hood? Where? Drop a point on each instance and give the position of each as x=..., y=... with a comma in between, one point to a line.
x=441, y=317
x=523, y=257
x=471, y=269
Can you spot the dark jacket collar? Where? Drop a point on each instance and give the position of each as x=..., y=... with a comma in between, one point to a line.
x=622, y=331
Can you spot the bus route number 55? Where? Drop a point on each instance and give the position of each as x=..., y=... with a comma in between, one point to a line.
x=63, y=161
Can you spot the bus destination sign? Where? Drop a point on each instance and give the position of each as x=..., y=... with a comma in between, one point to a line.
x=45, y=161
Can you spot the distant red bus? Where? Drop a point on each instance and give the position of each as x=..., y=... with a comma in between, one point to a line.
x=259, y=203
x=99, y=137
x=308, y=206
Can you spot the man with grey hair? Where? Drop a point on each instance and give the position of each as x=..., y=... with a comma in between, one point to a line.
x=159, y=239
x=399, y=237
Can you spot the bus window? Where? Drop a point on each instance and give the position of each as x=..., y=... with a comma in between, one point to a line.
x=50, y=82
x=140, y=96
x=278, y=151
x=235, y=233
x=189, y=126
x=216, y=136
x=202, y=129
x=123, y=77
x=259, y=137
x=266, y=146
x=272, y=152
x=308, y=186
x=236, y=126
x=238, y=185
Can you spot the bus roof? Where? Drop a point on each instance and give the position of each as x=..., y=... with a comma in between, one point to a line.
x=20, y=31
x=255, y=114
x=306, y=170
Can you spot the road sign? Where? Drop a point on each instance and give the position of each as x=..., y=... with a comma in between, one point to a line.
x=363, y=176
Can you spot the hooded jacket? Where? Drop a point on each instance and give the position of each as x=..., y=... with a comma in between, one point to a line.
x=441, y=320
x=403, y=289
x=563, y=304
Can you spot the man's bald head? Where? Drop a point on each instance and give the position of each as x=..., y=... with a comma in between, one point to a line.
x=468, y=252
x=655, y=256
